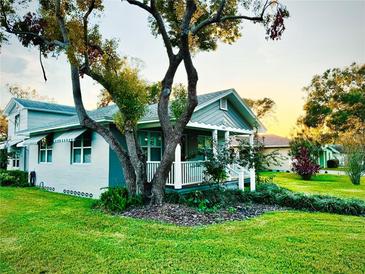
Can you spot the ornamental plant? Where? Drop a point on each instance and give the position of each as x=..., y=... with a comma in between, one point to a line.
x=304, y=165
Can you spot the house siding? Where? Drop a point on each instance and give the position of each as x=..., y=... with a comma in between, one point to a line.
x=116, y=175
x=213, y=115
x=62, y=175
x=285, y=164
x=41, y=118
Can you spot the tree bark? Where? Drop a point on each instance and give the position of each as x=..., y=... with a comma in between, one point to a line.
x=138, y=160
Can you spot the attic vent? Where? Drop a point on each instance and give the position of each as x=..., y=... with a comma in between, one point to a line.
x=223, y=103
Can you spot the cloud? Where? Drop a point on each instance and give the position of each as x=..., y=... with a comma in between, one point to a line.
x=13, y=64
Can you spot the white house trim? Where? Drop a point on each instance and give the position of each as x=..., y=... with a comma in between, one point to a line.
x=221, y=128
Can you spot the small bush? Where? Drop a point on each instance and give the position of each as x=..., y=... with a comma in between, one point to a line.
x=304, y=165
x=333, y=163
x=116, y=200
x=15, y=178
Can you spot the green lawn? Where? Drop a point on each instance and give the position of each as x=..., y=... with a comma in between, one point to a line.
x=325, y=184
x=49, y=232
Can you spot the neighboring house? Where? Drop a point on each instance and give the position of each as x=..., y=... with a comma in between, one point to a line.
x=330, y=152
x=281, y=145
x=74, y=160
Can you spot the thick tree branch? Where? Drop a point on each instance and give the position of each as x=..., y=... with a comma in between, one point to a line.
x=84, y=118
x=86, y=37
x=218, y=18
x=10, y=29
x=160, y=23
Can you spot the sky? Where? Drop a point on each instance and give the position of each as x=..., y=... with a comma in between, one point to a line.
x=319, y=35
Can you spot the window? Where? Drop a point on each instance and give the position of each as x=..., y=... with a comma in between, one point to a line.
x=15, y=159
x=151, y=144
x=45, y=150
x=17, y=123
x=204, y=142
x=205, y=145
x=223, y=104
x=81, y=149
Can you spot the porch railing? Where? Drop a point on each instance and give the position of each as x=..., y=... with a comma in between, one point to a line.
x=192, y=172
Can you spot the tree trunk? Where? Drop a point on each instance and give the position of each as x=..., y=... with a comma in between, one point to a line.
x=138, y=160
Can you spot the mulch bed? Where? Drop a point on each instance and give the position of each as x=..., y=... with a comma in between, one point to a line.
x=186, y=216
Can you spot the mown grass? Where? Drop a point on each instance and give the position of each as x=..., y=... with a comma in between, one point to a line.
x=48, y=232
x=324, y=184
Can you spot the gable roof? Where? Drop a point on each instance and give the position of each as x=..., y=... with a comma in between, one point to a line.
x=39, y=106
x=106, y=114
x=272, y=140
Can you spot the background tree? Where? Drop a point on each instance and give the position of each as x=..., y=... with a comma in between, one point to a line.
x=354, y=147
x=3, y=126
x=335, y=103
x=186, y=27
x=28, y=93
x=262, y=107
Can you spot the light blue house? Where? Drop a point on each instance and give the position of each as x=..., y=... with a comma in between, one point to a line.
x=48, y=139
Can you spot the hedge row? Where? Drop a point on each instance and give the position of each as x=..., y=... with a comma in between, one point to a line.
x=272, y=194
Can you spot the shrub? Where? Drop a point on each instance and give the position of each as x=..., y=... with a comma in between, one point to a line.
x=257, y=156
x=116, y=200
x=268, y=193
x=333, y=163
x=275, y=195
x=355, y=162
x=15, y=178
x=215, y=167
x=304, y=165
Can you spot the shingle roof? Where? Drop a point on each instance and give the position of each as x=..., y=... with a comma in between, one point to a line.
x=271, y=140
x=151, y=111
x=43, y=106
x=108, y=112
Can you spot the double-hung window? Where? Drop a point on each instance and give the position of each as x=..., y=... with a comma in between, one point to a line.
x=15, y=159
x=151, y=144
x=81, y=149
x=45, y=149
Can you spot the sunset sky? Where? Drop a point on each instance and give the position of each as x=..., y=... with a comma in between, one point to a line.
x=319, y=35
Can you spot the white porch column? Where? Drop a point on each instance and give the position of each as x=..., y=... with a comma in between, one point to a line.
x=226, y=144
x=215, y=141
x=177, y=166
x=226, y=138
x=252, y=170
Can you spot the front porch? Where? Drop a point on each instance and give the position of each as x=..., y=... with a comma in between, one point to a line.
x=188, y=170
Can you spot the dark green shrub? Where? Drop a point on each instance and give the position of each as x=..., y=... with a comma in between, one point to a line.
x=116, y=200
x=275, y=195
x=333, y=163
x=267, y=193
x=16, y=178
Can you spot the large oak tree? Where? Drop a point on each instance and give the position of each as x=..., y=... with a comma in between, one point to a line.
x=335, y=104
x=185, y=26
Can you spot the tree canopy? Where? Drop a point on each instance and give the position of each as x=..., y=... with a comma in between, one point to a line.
x=335, y=102
x=262, y=107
